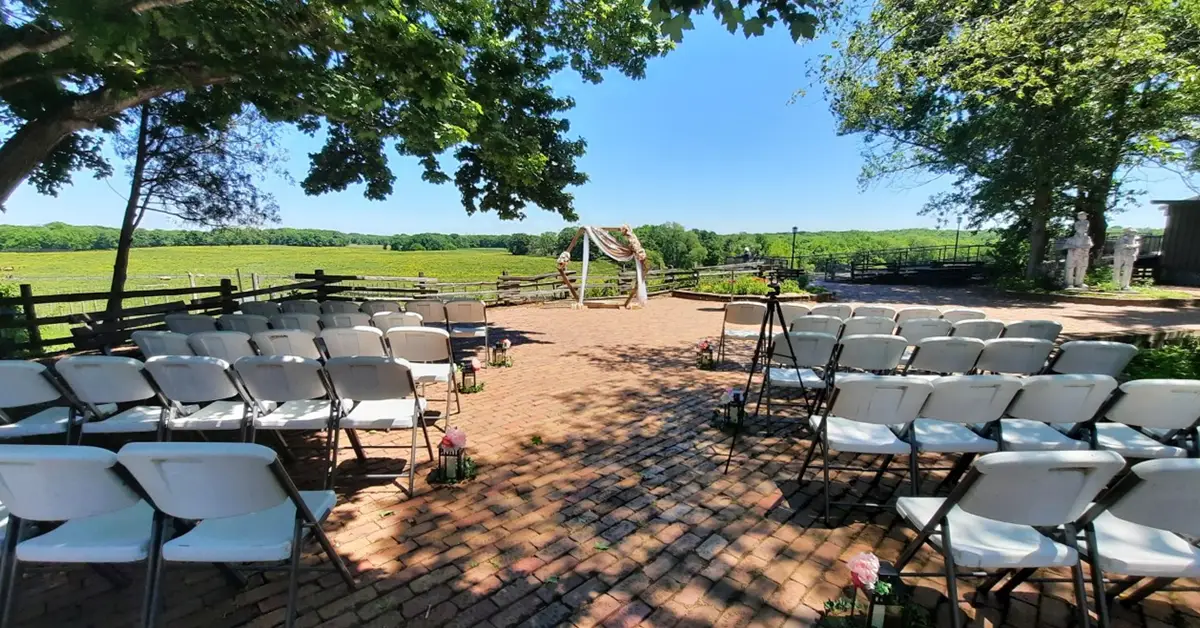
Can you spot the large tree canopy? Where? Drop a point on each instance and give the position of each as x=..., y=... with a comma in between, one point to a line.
x=471, y=77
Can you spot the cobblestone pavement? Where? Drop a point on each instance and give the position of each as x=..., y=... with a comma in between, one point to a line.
x=600, y=501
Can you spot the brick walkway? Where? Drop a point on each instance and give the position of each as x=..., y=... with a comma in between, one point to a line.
x=620, y=516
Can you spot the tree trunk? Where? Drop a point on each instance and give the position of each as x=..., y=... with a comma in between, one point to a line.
x=1037, y=230
x=1097, y=229
x=125, y=241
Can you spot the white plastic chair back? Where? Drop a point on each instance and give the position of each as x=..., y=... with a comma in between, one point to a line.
x=871, y=352
x=24, y=384
x=297, y=342
x=61, y=482
x=1021, y=356
x=858, y=325
x=1172, y=404
x=955, y=316
x=307, y=322
x=745, y=313
x=365, y=378
x=838, y=310
x=205, y=480
x=300, y=306
x=432, y=311
x=818, y=324
x=971, y=398
x=792, y=311
x=190, y=323
x=371, y=308
x=266, y=309
x=227, y=345
x=1039, y=488
x=153, y=343
x=422, y=344
x=471, y=312
x=345, y=320
x=1093, y=356
x=340, y=307
x=245, y=323
x=1042, y=330
x=946, y=354
x=100, y=379
x=281, y=378
x=191, y=378
x=875, y=310
x=983, y=329
x=880, y=399
x=1062, y=398
x=1165, y=498
x=361, y=340
x=811, y=349
x=387, y=320
x=905, y=314
x=915, y=330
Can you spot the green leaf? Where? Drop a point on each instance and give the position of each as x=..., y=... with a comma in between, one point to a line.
x=754, y=27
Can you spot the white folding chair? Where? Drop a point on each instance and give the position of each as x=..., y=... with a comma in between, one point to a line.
x=361, y=340
x=30, y=383
x=906, y=314
x=265, y=309
x=955, y=316
x=432, y=311
x=983, y=329
x=103, y=519
x=857, y=420
x=859, y=325
x=99, y=380
x=190, y=323
x=297, y=342
x=245, y=323
x=1042, y=330
x=791, y=311
x=235, y=504
x=944, y=355
x=377, y=393
x=186, y=380
x=467, y=319
x=875, y=310
x=230, y=346
x=915, y=330
x=747, y=316
x=152, y=343
x=874, y=353
x=372, y=308
x=1146, y=418
x=803, y=364
x=387, y=320
x=300, y=306
x=429, y=355
x=818, y=324
x=344, y=320
x=1015, y=356
x=299, y=388
x=307, y=322
x=837, y=310
x=340, y=307
x=1092, y=357
x=1052, y=400
x=997, y=517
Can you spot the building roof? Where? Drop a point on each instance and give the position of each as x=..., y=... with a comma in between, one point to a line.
x=1189, y=203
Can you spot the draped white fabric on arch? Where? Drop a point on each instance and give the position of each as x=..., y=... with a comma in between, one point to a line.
x=614, y=248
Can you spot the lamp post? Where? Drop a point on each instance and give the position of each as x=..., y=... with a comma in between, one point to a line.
x=792, y=263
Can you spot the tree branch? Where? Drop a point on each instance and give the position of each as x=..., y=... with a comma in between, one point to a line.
x=35, y=39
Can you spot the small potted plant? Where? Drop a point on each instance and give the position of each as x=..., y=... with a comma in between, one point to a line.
x=704, y=354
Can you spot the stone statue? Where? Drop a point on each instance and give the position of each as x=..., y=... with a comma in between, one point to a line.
x=1125, y=253
x=1078, y=246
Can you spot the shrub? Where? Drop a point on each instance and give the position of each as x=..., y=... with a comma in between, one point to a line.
x=9, y=338
x=1176, y=360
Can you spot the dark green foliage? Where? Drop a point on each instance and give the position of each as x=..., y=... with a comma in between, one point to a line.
x=1178, y=359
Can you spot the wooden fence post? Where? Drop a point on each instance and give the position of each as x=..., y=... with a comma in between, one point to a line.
x=192, y=283
x=254, y=286
x=321, y=292
x=31, y=324
x=228, y=305
x=239, y=276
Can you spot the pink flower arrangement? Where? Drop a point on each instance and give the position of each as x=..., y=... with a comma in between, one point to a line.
x=704, y=345
x=454, y=439
x=864, y=571
x=506, y=343
x=475, y=364
x=730, y=394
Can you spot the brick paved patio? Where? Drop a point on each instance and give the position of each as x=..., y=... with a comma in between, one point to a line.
x=621, y=516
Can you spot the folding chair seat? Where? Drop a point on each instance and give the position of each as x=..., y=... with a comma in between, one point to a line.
x=791, y=311
x=1038, y=329
x=875, y=310
x=372, y=308
x=1047, y=400
x=297, y=342
x=230, y=346
x=943, y=355
x=190, y=323
x=432, y=311
x=344, y=320
x=387, y=320
x=817, y=324
x=859, y=325
x=300, y=306
x=298, y=387
x=1092, y=357
x=429, y=356
x=806, y=369
x=467, y=319
x=246, y=323
x=186, y=380
x=265, y=309
x=30, y=383
x=906, y=314
x=747, y=316
x=983, y=329
x=836, y=310
x=152, y=343
x=955, y=316
x=307, y=322
x=361, y=340
x=1014, y=356
x=1147, y=417
x=99, y=380
x=340, y=307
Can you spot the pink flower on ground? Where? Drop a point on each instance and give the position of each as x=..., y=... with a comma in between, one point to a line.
x=454, y=439
x=864, y=571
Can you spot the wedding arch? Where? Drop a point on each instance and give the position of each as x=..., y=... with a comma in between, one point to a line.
x=612, y=247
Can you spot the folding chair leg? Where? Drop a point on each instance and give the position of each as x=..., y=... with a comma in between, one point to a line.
x=887, y=461
x=1081, y=607
x=960, y=467
x=9, y=571
x=1097, y=577
x=154, y=568
x=354, y=442
x=235, y=579
x=412, y=458
x=428, y=444
x=1146, y=591
x=991, y=581
x=332, y=438
x=332, y=555
x=951, y=574
x=812, y=451
x=914, y=471
x=1013, y=582
x=294, y=571
x=825, y=485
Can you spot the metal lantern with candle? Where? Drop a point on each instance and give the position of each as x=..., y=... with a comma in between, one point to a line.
x=500, y=353
x=469, y=376
x=704, y=355
x=453, y=463
x=732, y=409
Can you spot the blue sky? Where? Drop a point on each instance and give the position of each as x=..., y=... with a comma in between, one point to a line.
x=708, y=139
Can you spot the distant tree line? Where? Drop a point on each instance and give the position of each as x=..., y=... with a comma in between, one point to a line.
x=57, y=236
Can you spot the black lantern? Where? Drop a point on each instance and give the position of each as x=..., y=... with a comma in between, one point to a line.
x=886, y=610
x=500, y=354
x=468, y=375
x=732, y=409
x=704, y=355
x=452, y=463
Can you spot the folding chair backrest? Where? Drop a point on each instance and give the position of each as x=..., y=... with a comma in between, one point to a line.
x=466, y=312
x=946, y=354
x=812, y=349
x=265, y=309
x=1172, y=404
x=971, y=398
x=363, y=378
x=345, y=320
x=745, y=313
x=818, y=324
x=340, y=307
x=154, y=343
x=1039, y=488
x=1042, y=330
x=839, y=310
x=192, y=378
x=875, y=310
x=200, y=481
x=1022, y=356
x=1165, y=498
x=1062, y=398
x=371, y=308
x=868, y=325
x=421, y=344
x=871, y=352
x=297, y=342
x=190, y=323
x=361, y=340
x=792, y=311
x=227, y=345
x=387, y=320
x=905, y=314
x=431, y=310
x=99, y=379
x=955, y=316
x=300, y=306
x=307, y=322
x=1093, y=356
x=245, y=323
x=281, y=377
x=983, y=329
x=61, y=482
x=882, y=399
x=915, y=330
x=24, y=384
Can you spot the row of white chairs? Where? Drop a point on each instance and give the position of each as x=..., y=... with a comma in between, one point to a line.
x=432, y=311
